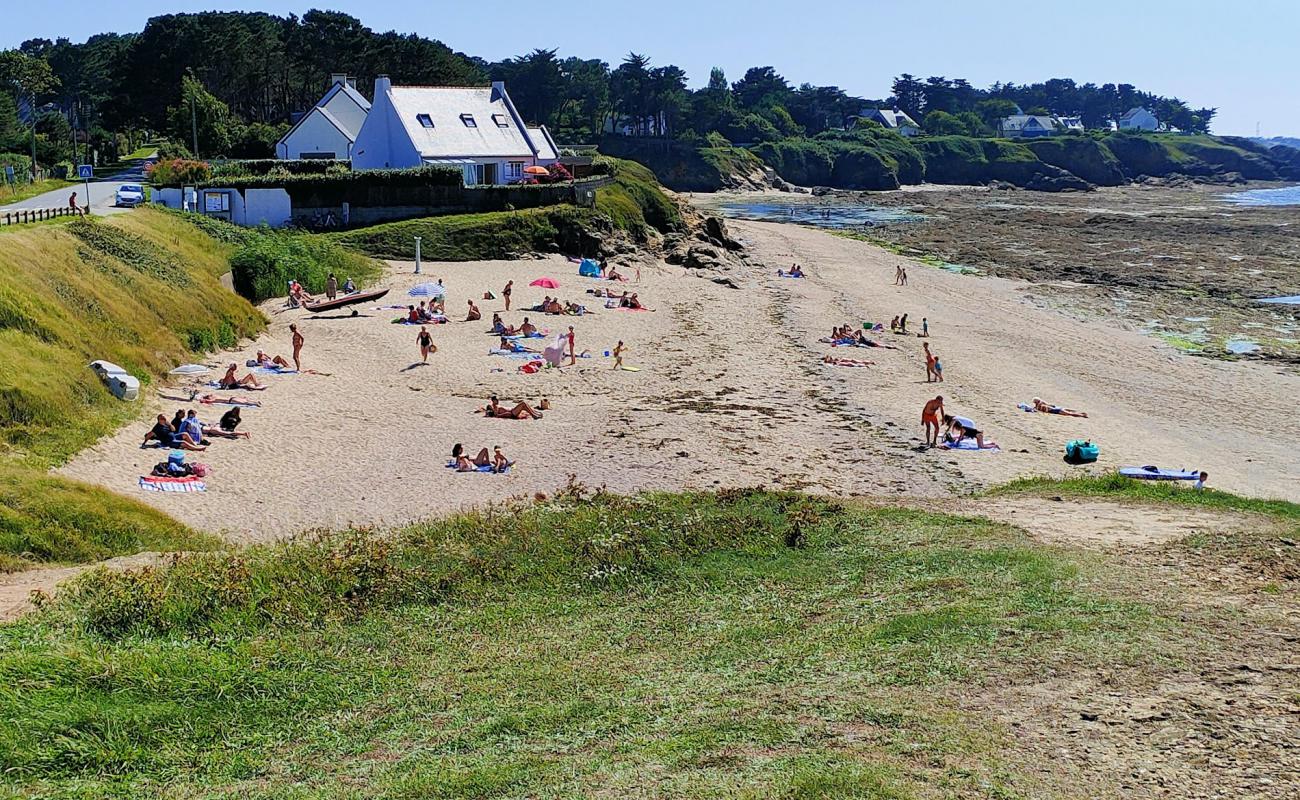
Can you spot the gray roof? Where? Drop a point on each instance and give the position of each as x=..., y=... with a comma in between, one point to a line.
x=1133, y=112
x=494, y=131
x=890, y=117
x=1017, y=122
x=339, y=88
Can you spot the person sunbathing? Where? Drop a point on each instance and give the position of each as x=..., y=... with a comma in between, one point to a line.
x=265, y=361
x=574, y=310
x=412, y=315
x=528, y=328
x=614, y=276
x=229, y=381
x=166, y=437
x=521, y=410
x=846, y=362
x=633, y=302
x=423, y=314
x=466, y=464
x=860, y=339
x=515, y=347
x=554, y=307
x=229, y=422
x=474, y=313
x=499, y=461
x=1046, y=408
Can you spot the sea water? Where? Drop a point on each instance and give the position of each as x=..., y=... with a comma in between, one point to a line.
x=1286, y=196
x=837, y=216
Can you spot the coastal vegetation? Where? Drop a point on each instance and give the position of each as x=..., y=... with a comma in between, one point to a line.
x=634, y=204
x=142, y=291
x=690, y=630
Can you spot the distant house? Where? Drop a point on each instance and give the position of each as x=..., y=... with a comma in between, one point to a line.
x=1028, y=126
x=330, y=128
x=1139, y=119
x=894, y=119
x=1070, y=123
x=474, y=128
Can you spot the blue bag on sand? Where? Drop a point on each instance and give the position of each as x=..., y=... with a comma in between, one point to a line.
x=1081, y=451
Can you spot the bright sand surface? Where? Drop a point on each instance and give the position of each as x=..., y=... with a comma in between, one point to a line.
x=731, y=392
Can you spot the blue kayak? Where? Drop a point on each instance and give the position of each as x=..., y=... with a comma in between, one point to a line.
x=1157, y=474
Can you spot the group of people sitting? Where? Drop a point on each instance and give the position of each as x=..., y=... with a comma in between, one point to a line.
x=500, y=328
x=848, y=335
x=496, y=462
x=435, y=311
x=187, y=432
x=616, y=300
x=795, y=271
x=552, y=305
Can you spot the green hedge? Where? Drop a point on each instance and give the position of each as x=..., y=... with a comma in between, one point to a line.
x=477, y=237
x=262, y=166
x=397, y=178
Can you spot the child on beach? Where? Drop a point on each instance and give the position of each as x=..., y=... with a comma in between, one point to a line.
x=619, y=349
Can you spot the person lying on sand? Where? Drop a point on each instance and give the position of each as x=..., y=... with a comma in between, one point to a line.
x=466, y=464
x=194, y=426
x=960, y=428
x=474, y=314
x=229, y=381
x=216, y=399
x=265, y=361
x=521, y=410
x=515, y=347
x=846, y=362
x=1045, y=408
x=930, y=416
x=162, y=433
x=863, y=341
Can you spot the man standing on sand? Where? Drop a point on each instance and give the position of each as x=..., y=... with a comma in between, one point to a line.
x=903, y=273
x=506, y=293
x=331, y=287
x=930, y=416
x=573, y=357
x=898, y=274
x=297, y=347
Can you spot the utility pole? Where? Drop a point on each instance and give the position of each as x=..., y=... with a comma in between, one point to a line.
x=417, y=255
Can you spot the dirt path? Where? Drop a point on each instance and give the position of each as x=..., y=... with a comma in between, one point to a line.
x=16, y=588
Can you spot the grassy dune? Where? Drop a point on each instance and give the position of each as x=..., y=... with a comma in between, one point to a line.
x=141, y=290
x=746, y=644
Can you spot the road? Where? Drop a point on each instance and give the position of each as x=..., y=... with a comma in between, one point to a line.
x=103, y=194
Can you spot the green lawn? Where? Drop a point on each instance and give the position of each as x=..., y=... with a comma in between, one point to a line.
x=740, y=645
x=141, y=153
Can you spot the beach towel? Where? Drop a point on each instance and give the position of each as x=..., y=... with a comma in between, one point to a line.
x=497, y=351
x=230, y=401
x=485, y=468
x=532, y=367
x=153, y=483
x=274, y=371
x=969, y=445
x=190, y=369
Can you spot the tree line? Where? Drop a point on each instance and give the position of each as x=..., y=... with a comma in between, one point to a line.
x=239, y=77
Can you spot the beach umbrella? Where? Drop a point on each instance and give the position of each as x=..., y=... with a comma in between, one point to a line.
x=427, y=290
x=536, y=170
x=546, y=283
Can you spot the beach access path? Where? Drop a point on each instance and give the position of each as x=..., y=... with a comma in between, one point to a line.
x=731, y=392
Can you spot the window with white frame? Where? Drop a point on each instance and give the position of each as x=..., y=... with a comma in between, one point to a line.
x=514, y=170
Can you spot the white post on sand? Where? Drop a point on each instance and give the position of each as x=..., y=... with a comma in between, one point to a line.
x=417, y=255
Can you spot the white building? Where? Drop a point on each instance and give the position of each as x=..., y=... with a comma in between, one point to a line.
x=474, y=128
x=894, y=119
x=330, y=128
x=1139, y=119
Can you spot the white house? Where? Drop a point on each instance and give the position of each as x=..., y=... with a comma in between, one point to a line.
x=1138, y=119
x=1070, y=123
x=894, y=119
x=474, y=128
x=1027, y=126
x=329, y=129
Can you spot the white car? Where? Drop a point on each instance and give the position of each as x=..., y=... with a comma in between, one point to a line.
x=130, y=195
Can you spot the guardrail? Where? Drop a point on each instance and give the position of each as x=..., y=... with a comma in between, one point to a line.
x=23, y=215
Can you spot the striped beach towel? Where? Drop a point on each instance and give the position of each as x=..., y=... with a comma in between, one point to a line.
x=153, y=483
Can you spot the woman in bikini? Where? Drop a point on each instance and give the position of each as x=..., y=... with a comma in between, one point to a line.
x=521, y=410
x=1046, y=408
x=426, y=344
x=229, y=381
x=466, y=464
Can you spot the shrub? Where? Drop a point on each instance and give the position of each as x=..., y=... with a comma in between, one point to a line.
x=267, y=261
x=178, y=171
x=801, y=161
x=264, y=166
x=328, y=181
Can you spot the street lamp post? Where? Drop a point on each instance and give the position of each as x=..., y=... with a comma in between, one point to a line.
x=417, y=255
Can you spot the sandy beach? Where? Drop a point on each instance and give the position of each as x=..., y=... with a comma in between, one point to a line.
x=731, y=392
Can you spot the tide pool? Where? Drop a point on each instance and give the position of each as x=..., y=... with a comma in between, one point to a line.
x=1286, y=196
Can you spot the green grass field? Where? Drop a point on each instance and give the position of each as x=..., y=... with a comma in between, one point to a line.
x=741, y=645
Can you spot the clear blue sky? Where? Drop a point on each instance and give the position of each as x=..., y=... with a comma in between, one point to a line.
x=1240, y=56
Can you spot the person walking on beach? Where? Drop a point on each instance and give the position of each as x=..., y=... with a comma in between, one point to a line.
x=925, y=328
x=930, y=416
x=898, y=275
x=506, y=293
x=619, y=349
x=331, y=287
x=573, y=356
x=297, y=347
x=426, y=344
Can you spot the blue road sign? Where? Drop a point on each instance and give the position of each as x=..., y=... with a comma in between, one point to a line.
x=85, y=171
x=9, y=173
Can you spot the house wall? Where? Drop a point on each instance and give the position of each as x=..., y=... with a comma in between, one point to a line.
x=315, y=134
x=383, y=142
x=267, y=207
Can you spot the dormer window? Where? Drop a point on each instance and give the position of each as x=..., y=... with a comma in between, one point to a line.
x=468, y=119
x=425, y=120
x=501, y=121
